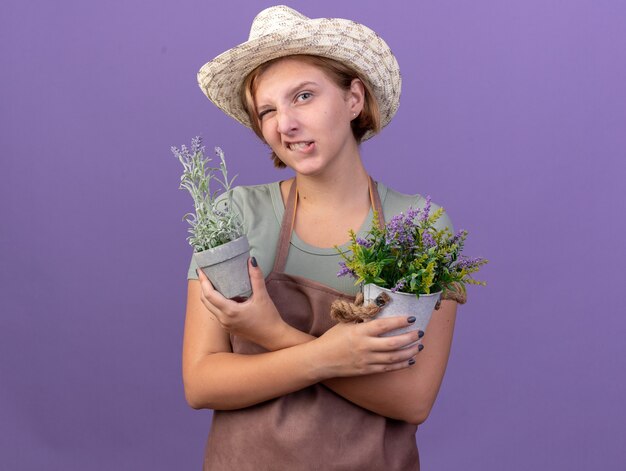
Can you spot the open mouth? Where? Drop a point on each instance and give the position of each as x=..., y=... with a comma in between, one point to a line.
x=304, y=145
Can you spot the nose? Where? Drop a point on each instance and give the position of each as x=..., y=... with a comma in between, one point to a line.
x=286, y=121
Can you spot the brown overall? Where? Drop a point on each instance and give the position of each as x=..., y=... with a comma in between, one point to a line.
x=314, y=428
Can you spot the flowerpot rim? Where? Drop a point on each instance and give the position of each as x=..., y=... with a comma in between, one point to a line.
x=223, y=252
x=238, y=239
x=437, y=293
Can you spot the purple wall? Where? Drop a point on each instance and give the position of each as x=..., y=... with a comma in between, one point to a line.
x=513, y=117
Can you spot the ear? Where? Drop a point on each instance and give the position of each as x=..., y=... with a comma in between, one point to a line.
x=356, y=96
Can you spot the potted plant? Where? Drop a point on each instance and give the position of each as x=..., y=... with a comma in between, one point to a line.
x=412, y=262
x=220, y=247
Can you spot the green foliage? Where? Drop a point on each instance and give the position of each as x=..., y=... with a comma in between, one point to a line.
x=411, y=255
x=213, y=222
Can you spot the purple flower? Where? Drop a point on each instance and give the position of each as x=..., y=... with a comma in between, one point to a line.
x=461, y=234
x=399, y=231
x=399, y=285
x=196, y=145
x=412, y=214
x=344, y=270
x=426, y=210
x=465, y=262
x=364, y=243
x=427, y=239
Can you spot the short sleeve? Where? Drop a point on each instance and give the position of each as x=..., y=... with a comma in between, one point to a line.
x=444, y=221
x=191, y=272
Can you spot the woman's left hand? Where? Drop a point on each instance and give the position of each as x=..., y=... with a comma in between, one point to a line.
x=256, y=318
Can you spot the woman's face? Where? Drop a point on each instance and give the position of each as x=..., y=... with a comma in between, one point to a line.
x=305, y=117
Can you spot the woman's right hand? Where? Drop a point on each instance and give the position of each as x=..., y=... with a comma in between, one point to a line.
x=256, y=318
x=357, y=349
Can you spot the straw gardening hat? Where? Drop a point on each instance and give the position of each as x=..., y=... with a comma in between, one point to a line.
x=281, y=31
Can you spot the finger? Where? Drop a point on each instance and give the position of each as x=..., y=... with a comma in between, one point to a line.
x=394, y=342
x=257, y=280
x=210, y=294
x=208, y=304
x=202, y=278
x=205, y=284
x=396, y=356
x=401, y=365
x=387, y=324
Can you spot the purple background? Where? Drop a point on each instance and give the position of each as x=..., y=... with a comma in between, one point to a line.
x=513, y=117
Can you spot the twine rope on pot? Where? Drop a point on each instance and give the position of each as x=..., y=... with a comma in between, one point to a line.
x=454, y=291
x=343, y=311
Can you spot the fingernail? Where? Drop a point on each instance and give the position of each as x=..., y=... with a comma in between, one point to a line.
x=420, y=333
x=421, y=347
x=412, y=361
x=411, y=319
x=253, y=261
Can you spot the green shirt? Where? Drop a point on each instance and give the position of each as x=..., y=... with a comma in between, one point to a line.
x=261, y=208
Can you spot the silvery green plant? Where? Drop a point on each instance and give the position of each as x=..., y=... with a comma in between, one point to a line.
x=213, y=222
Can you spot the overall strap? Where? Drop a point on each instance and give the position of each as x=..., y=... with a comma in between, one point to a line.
x=376, y=204
x=286, y=226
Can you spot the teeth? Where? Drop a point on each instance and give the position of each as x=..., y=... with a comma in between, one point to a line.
x=298, y=145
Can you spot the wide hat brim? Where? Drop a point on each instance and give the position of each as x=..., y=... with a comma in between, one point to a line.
x=281, y=31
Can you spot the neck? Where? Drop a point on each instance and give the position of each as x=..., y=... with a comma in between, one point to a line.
x=341, y=182
x=341, y=188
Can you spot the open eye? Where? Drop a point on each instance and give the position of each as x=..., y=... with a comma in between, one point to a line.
x=304, y=96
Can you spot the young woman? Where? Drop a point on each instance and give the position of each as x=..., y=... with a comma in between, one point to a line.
x=291, y=389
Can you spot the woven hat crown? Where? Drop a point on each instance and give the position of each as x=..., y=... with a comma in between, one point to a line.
x=281, y=31
x=274, y=19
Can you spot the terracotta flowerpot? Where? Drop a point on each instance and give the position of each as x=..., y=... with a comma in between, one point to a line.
x=403, y=304
x=227, y=267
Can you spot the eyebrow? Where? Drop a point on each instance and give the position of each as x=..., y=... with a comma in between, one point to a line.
x=289, y=92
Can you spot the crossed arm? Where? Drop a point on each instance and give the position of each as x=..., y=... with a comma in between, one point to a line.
x=351, y=359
